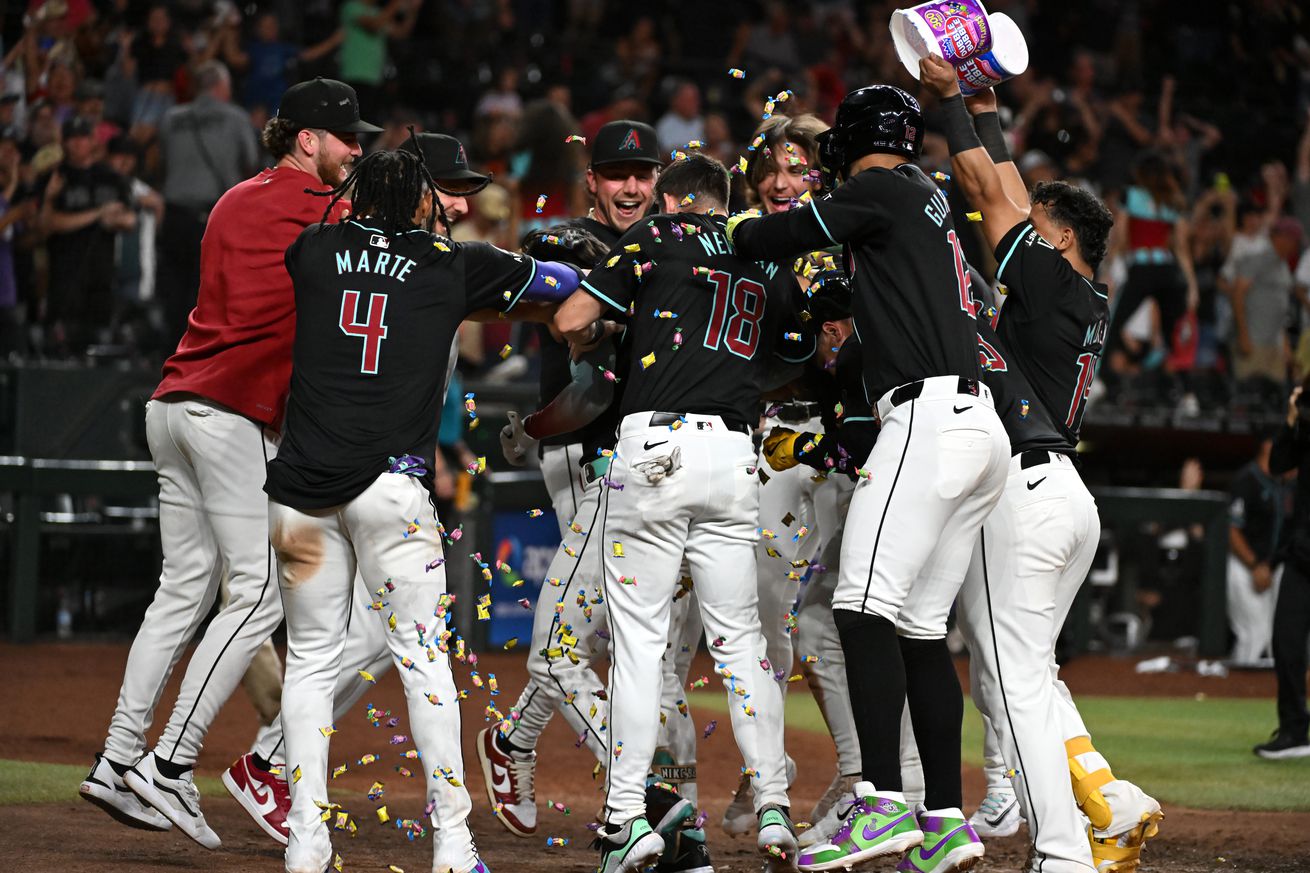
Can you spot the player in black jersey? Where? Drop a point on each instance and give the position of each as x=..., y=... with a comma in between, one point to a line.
x=703, y=325
x=1044, y=531
x=936, y=471
x=378, y=299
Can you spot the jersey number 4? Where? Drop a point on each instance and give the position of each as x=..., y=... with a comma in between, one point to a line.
x=740, y=333
x=373, y=330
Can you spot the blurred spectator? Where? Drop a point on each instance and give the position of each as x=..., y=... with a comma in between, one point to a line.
x=1213, y=223
x=266, y=60
x=90, y=96
x=503, y=98
x=490, y=219
x=134, y=266
x=85, y=205
x=1259, y=286
x=546, y=165
x=683, y=122
x=155, y=58
x=12, y=211
x=765, y=41
x=208, y=146
x=1152, y=234
x=1260, y=503
x=365, y=28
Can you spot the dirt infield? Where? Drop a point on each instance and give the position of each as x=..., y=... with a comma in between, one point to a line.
x=61, y=696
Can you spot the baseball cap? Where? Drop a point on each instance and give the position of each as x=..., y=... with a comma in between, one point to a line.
x=625, y=140
x=326, y=104
x=446, y=161
x=77, y=126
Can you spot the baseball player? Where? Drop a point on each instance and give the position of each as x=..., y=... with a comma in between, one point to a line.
x=212, y=424
x=1260, y=503
x=1037, y=545
x=378, y=301
x=783, y=168
x=937, y=469
x=253, y=780
x=704, y=325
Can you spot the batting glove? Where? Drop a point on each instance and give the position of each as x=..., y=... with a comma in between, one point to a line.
x=514, y=441
x=738, y=219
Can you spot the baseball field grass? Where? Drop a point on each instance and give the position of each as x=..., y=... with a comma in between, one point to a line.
x=1194, y=752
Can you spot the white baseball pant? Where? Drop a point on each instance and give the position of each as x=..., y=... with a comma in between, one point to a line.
x=936, y=471
x=706, y=506
x=1250, y=615
x=677, y=728
x=559, y=472
x=212, y=515
x=793, y=492
x=1035, y=551
x=562, y=623
x=318, y=553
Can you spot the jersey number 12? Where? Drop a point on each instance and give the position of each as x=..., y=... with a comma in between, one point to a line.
x=373, y=330
x=740, y=333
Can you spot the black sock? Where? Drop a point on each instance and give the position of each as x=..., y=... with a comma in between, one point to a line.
x=118, y=768
x=936, y=708
x=169, y=770
x=510, y=747
x=876, y=677
x=261, y=763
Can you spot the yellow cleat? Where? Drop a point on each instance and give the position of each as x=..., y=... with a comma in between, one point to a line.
x=1123, y=853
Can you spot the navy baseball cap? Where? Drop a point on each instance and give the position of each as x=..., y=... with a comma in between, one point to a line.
x=623, y=141
x=325, y=104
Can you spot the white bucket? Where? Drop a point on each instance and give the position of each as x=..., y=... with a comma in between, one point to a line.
x=952, y=29
x=1007, y=57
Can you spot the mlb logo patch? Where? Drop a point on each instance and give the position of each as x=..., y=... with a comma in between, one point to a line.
x=704, y=425
x=379, y=241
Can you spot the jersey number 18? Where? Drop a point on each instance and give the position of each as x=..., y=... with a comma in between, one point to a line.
x=740, y=333
x=373, y=330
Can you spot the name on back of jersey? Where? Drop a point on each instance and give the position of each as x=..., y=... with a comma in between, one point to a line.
x=714, y=243
x=938, y=207
x=381, y=264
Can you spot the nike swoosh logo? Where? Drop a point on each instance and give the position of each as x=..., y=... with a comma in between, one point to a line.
x=649, y=446
x=260, y=797
x=958, y=409
x=1032, y=485
x=841, y=814
x=995, y=821
x=500, y=781
x=873, y=835
x=946, y=838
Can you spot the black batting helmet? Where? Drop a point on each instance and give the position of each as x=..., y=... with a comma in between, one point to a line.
x=828, y=297
x=879, y=118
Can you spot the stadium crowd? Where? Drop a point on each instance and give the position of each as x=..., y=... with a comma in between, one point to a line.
x=122, y=122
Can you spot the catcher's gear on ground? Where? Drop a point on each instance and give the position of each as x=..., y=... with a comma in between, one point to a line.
x=514, y=441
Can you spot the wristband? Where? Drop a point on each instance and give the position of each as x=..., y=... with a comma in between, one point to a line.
x=597, y=329
x=960, y=135
x=988, y=125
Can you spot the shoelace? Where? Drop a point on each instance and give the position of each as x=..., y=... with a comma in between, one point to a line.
x=523, y=772
x=994, y=803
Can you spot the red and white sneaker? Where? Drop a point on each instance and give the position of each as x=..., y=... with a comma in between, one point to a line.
x=508, y=777
x=262, y=794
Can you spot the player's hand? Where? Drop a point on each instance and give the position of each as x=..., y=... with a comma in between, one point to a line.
x=780, y=448
x=608, y=329
x=981, y=101
x=737, y=219
x=575, y=246
x=514, y=440
x=938, y=76
x=1262, y=577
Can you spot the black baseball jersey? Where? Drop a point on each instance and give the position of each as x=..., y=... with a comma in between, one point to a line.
x=1027, y=421
x=849, y=426
x=909, y=280
x=555, y=374
x=1053, y=321
x=1260, y=503
x=375, y=317
x=702, y=321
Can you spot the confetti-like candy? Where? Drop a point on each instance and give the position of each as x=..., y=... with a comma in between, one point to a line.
x=505, y=351
x=367, y=677
x=973, y=216
x=557, y=841
x=616, y=549
x=541, y=203
x=647, y=360
x=640, y=270
x=383, y=818
x=1023, y=408
x=575, y=137
x=750, y=771
x=609, y=375
x=337, y=771
x=510, y=643
x=794, y=337
x=682, y=706
x=440, y=246
x=614, y=260
x=407, y=663
x=811, y=659
x=699, y=683
x=736, y=73
x=800, y=532
x=688, y=200
x=627, y=580
x=709, y=729
x=677, y=338
x=632, y=247
x=375, y=791
x=767, y=534
x=367, y=759
x=328, y=731
x=432, y=698
x=665, y=313
x=940, y=176
x=618, y=749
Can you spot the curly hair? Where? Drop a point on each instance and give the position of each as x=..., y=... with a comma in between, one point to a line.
x=386, y=188
x=279, y=137
x=1082, y=212
x=801, y=131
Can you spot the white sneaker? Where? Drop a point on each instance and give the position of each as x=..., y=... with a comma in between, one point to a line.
x=176, y=799
x=998, y=815
x=104, y=787
x=822, y=830
x=739, y=818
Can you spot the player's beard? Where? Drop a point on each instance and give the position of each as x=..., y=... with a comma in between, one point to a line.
x=332, y=172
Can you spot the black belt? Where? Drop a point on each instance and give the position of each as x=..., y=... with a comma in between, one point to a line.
x=665, y=419
x=796, y=411
x=914, y=389
x=1037, y=457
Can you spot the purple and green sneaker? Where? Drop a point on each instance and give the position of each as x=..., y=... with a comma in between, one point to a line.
x=878, y=824
x=949, y=844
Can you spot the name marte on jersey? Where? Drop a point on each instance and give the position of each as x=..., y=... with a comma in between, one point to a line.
x=383, y=264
